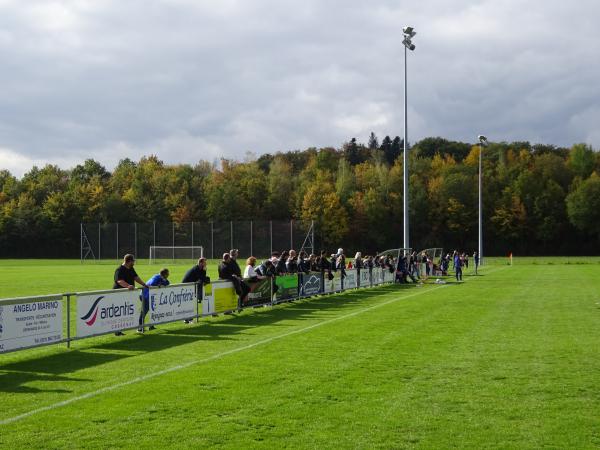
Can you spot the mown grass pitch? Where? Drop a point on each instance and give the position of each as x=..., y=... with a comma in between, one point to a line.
x=508, y=359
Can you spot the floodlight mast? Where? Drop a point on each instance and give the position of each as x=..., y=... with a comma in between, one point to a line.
x=482, y=143
x=409, y=33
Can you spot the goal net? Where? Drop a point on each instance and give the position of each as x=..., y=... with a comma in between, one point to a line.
x=173, y=253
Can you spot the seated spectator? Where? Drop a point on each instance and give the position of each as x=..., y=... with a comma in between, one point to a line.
x=233, y=253
x=228, y=271
x=250, y=274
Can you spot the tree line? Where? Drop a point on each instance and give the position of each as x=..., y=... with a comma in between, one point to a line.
x=538, y=199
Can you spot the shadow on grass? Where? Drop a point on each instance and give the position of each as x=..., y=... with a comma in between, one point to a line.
x=15, y=377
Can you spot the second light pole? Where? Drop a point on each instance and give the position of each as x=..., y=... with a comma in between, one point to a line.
x=482, y=143
x=409, y=33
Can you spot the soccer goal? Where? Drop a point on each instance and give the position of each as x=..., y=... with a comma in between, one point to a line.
x=173, y=253
x=396, y=252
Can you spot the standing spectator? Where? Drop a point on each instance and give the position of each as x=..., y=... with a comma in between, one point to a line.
x=466, y=260
x=312, y=263
x=458, y=265
x=303, y=263
x=266, y=269
x=158, y=280
x=476, y=259
x=197, y=274
x=424, y=264
x=291, y=265
x=358, y=263
x=280, y=268
x=126, y=277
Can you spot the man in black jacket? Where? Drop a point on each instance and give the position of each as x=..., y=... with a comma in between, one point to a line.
x=197, y=274
x=228, y=270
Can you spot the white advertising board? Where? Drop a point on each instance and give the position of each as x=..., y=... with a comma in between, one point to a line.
x=30, y=322
x=365, y=278
x=377, y=275
x=170, y=303
x=107, y=311
x=337, y=282
x=388, y=276
x=350, y=282
x=328, y=285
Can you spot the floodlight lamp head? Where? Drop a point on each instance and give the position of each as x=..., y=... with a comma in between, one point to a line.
x=408, y=43
x=409, y=31
x=482, y=139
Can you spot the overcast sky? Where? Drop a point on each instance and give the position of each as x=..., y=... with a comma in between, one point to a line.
x=193, y=79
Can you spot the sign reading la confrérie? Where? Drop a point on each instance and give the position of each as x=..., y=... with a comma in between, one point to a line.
x=30, y=322
x=105, y=312
x=172, y=303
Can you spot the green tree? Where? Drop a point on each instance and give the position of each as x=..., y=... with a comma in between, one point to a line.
x=583, y=205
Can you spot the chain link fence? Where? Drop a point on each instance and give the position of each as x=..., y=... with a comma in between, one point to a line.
x=110, y=241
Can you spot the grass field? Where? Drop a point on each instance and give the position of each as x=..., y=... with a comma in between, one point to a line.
x=508, y=359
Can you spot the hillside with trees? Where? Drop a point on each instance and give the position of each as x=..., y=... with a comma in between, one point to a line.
x=538, y=199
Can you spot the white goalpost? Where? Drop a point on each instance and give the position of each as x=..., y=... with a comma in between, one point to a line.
x=173, y=253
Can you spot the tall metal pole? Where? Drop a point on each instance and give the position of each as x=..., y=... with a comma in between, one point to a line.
x=405, y=158
x=480, y=248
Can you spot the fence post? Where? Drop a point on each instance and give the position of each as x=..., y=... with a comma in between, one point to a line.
x=192, y=239
x=251, y=237
x=312, y=227
x=68, y=320
x=99, y=237
x=231, y=233
x=271, y=234
x=199, y=295
x=81, y=240
x=291, y=233
x=173, y=240
x=135, y=252
x=212, y=240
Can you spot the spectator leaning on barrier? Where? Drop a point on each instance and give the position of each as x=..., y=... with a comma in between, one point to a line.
x=280, y=268
x=158, y=280
x=197, y=274
x=126, y=277
x=291, y=265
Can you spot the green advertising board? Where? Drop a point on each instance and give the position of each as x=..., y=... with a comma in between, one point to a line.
x=287, y=287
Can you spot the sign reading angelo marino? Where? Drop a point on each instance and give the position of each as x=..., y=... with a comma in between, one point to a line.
x=30, y=322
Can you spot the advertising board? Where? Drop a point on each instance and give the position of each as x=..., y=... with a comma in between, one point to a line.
x=30, y=322
x=108, y=311
x=172, y=303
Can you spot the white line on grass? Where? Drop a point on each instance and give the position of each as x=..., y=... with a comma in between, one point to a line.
x=205, y=360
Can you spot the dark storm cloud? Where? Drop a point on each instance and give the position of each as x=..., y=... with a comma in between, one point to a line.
x=190, y=80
